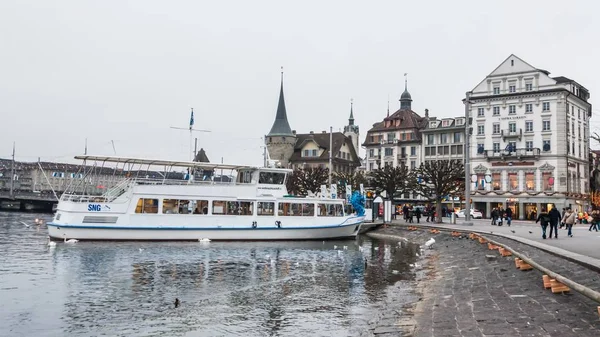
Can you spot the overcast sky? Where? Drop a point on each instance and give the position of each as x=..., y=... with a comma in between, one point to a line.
x=126, y=71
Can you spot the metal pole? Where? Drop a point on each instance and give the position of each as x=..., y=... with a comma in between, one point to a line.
x=195, y=148
x=467, y=162
x=265, y=153
x=330, y=150
x=12, y=172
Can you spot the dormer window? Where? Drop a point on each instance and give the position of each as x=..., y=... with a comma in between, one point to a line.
x=445, y=123
x=432, y=124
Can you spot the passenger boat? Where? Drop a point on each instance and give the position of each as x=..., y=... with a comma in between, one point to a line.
x=254, y=205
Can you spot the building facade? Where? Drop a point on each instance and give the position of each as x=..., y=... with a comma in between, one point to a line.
x=443, y=139
x=530, y=140
x=294, y=150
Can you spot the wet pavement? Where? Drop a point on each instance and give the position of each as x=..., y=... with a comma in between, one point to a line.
x=465, y=293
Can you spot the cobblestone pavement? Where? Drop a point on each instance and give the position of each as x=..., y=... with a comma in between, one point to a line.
x=471, y=295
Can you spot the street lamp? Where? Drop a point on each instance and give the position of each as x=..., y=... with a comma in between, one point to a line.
x=467, y=161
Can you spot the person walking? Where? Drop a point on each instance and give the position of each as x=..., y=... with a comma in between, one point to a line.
x=562, y=215
x=544, y=219
x=418, y=213
x=555, y=218
x=569, y=220
x=595, y=223
x=509, y=215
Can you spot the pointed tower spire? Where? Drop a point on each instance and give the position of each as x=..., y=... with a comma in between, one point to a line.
x=351, y=119
x=388, y=106
x=405, y=98
x=281, y=126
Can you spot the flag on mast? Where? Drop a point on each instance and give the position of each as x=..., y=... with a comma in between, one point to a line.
x=192, y=119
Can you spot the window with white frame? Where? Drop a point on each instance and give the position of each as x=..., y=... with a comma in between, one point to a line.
x=545, y=125
x=512, y=109
x=430, y=140
x=528, y=107
x=512, y=146
x=546, y=144
x=528, y=86
x=445, y=123
x=480, y=129
x=546, y=106
x=512, y=127
x=528, y=126
x=371, y=153
x=443, y=138
x=529, y=145
x=496, y=110
x=496, y=89
x=480, y=112
x=496, y=147
x=496, y=128
x=512, y=88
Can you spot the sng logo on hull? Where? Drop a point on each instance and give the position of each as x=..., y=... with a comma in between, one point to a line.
x=97, y=208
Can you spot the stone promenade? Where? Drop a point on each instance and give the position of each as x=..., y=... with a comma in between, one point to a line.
x=470, y=295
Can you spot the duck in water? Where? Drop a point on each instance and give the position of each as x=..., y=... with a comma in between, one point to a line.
x=176, y=302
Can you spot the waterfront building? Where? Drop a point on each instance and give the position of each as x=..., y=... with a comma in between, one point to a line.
x=443, y=138
x=294, y=150
x=530, y=140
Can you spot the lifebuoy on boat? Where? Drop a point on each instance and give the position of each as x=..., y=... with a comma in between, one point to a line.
x=278, y=224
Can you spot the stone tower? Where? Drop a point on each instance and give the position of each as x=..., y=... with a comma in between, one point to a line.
x=351, y=131
x=281, y=140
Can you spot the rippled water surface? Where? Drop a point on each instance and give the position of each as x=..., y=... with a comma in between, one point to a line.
x=225, y=288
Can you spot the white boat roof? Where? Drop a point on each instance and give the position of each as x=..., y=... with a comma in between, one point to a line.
x=171, y=163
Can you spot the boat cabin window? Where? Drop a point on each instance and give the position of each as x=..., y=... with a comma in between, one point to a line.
x=176, y=206
x=274, y=178
x=218, y=207
x=147, y=206
x=240, y=207
x=266, y=208
x=200, y=206
x=244, y=177
x=331, y=210
x=232, y=207
x=296, y=209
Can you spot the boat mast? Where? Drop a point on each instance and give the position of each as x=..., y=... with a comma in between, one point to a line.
x=330, y=150
x=12, y=172
x=265, y=164
x=191, y=129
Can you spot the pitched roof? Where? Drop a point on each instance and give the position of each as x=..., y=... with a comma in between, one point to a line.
x=281, y=126
x=562, y=79
x=409, y=120
x=201, y=157
x=322, y=140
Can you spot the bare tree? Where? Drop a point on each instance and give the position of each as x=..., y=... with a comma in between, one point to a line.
x=393, y=180
x=437, y=179
x=300, y=181
x=353, y=179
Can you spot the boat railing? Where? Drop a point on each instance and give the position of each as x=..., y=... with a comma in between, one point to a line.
x=109, y=196
x=154, y=181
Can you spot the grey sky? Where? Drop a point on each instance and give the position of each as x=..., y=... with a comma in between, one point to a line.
x=128, y=70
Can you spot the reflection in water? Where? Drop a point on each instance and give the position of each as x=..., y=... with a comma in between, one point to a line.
x=241, y=288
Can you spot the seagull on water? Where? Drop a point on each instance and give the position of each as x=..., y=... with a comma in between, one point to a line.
x=430, y=243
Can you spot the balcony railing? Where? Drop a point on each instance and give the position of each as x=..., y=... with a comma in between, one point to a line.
x=517, y=133
x=402, y=156
x=517, y=153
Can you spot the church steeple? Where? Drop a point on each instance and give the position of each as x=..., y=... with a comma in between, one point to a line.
x=351, y=119
x=281, y=126
x=405, y=98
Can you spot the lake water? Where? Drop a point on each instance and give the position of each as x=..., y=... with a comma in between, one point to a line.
x=224, y=288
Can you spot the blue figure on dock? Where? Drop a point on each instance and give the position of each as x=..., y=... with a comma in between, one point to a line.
x=358, y=202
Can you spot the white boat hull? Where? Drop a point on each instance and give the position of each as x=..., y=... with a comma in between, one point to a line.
x=348, y=229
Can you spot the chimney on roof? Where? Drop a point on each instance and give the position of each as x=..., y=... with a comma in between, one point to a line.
x=427, y=113
x=294, y=132
x=312, y=132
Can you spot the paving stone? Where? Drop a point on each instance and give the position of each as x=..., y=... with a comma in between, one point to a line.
x=496, y=298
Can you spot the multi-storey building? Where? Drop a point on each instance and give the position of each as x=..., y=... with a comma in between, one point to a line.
x=312, y=149
x=443, y=138
x=530, y=140
x=397, y=139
